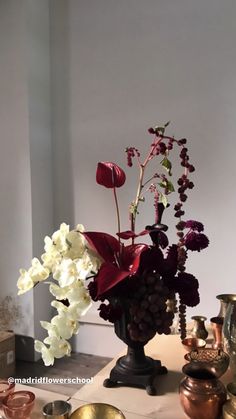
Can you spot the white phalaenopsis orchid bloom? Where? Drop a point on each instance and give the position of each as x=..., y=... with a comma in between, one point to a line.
x=51, y=329
x=70, y=260
x=25, y=282
x=76, y=245
x=66, y=272
x=47, y=353
x=51, y=259
x=67, y=326
x=59, y=238
x=37, y=271
x=59, y=347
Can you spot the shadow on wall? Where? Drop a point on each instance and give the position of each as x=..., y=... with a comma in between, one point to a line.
x=60, y=75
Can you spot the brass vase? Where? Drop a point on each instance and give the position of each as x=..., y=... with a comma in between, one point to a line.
x=224, y=301
x=199, y=331
x=229, y=408
x=229, y=333
x=202, y=395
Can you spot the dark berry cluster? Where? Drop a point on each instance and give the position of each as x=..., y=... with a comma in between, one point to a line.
x=110, y=312
x=131, y=153
x=184, y=184
x=149, y=311
x=182, y=321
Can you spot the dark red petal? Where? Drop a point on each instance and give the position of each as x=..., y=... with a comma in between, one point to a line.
x=104, y=244
x=110, y=175
x=128, y=234
x=131, y=257
x=108, y=276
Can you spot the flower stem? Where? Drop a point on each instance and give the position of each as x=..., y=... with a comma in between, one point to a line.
x=117, y=210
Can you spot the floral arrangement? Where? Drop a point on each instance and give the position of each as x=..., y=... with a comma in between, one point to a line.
x=140, y=279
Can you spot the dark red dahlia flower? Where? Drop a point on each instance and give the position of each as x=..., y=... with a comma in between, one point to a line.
x=187, y=287
x=196, y=241
x=194, y=225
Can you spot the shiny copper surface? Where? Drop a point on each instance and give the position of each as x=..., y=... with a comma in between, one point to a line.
x=217, y=325
x=213, y=360
x=199, y=330
x=193, y=343
x=201, y=394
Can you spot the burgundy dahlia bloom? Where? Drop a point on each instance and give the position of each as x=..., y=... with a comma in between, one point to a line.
x=194, y=225
x=187, y=287
x=196, y=241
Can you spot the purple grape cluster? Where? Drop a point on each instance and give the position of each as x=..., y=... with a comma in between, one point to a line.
x=149, y=311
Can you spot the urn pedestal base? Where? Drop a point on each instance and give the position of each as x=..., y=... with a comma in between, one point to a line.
x=136, y=369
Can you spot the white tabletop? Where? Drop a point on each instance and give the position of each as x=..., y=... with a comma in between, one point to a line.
x=133, y=402
x=42, y=397
x=136, y=403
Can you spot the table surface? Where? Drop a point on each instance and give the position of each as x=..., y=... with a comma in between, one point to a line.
x=134, y=403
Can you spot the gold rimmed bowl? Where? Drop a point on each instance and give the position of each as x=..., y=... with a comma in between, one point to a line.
x=214, y=361
x=97, y=411
x=191, y=344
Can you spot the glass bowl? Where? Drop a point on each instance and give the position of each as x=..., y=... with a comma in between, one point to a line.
x=213, y=360
x=6, y=388
x=18, y=405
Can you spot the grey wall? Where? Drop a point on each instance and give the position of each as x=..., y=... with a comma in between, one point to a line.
x=15, y=177
x=136, y=63
x=26, y=158
x=92, y=76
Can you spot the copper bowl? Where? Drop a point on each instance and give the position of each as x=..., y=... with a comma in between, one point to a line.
x=97, y=411
x=193, y=343
x=212, y=360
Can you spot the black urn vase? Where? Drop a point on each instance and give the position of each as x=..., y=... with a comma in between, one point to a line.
x=134, y=369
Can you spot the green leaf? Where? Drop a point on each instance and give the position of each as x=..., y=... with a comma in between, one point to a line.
x=160, y=130
x=170, y=186
x=166, y=124
x=162, y=184
x=166, y=163
x=163, y=199
x=167, y=184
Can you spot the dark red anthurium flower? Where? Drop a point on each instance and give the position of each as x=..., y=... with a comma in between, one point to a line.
x=119, y=261
x=110, y=175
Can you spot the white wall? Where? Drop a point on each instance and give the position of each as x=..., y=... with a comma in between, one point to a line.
x=25, y=161
x=15, y=181
x=134, y=64
x=117, y=67
x=39, y=105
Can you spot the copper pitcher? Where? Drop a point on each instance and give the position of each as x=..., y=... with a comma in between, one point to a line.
x=202, y=395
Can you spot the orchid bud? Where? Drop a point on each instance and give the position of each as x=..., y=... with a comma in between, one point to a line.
x=110, y=175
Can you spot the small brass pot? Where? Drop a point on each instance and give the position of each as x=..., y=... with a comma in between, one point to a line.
x=229, y=408
x=201, y=394
x=199, y=331
x=97, y=411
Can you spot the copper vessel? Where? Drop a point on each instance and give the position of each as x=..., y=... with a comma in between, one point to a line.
x=229, y=408
x=202, y=395
x=199, y=331
x=217, y=326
